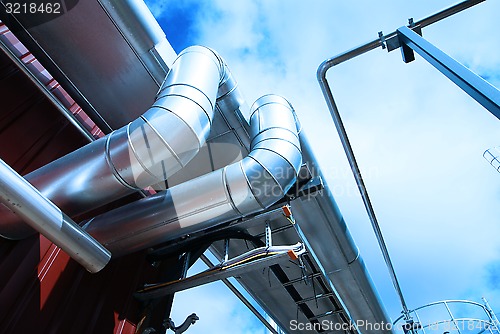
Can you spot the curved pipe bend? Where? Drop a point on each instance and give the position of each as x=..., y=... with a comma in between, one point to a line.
x=240, y=189
x=146, y=151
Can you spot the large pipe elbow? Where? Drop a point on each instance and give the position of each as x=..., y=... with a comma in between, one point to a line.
x=146, y=151
x=275, y=158
x=170, y=133
x=237, y=190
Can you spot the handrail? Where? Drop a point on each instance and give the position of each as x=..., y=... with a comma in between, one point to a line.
x=327, y=92
x=489, y=322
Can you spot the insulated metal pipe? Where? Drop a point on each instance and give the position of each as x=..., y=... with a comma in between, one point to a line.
x=25, y=201
x=146, y=151
x=240, y=189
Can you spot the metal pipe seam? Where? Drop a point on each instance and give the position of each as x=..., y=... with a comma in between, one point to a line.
x=26, y=201
x=146, y=151
x=239, y=189
x=229, y=96
x=182, y=112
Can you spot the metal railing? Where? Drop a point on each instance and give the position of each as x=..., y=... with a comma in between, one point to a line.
x=390, y=41
x=448, y=316
x=492, y=155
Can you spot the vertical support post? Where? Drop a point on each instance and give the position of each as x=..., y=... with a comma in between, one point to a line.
x=492, y=314
x=407, y=52
x=186, y=264
x=226, y=250
x=452, y=317
x=419, y=321
x=269, y=239
x=478, y=88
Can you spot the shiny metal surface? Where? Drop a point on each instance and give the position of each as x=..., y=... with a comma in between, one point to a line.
x=100, y=61
x=138, y=26
x=240, y=189
x=32, y=77
x=437, y=317
x=26, y=202
x=330, y=242
x=254, y=259
x=167, y=136
x=101, y=51
x=327, y=92
x=142, y=153
x=287, y=292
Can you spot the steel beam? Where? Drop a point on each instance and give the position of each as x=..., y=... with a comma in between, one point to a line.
x=314, y=298
x=478, y=88
x=326, y=314
x=46, y=92
x=242, y=298
x=213, y=275
x=302, y=279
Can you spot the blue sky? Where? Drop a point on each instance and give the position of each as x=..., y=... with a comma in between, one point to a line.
x=418, y=138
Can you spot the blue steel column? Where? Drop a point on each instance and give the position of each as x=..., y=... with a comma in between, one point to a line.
x=478, y=88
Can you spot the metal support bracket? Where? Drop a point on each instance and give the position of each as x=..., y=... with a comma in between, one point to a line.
x=393, y=41
x=269, y=238
x=186, y=258
x=382, y=39
x=471, y=83
x=253, y=260
x=243, y=299
x=226, y=251
x=406, y=51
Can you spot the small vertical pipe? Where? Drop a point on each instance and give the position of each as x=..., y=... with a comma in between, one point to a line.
x=269, y=238
x=452, y=317
x=226, y=250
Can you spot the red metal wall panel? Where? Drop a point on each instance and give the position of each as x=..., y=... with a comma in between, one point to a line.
x=41, y=289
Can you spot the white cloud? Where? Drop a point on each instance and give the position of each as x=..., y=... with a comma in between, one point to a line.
x=419, y=137
x=219, y=311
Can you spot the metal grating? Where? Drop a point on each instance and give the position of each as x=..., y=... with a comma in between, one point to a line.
x=288, y=293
